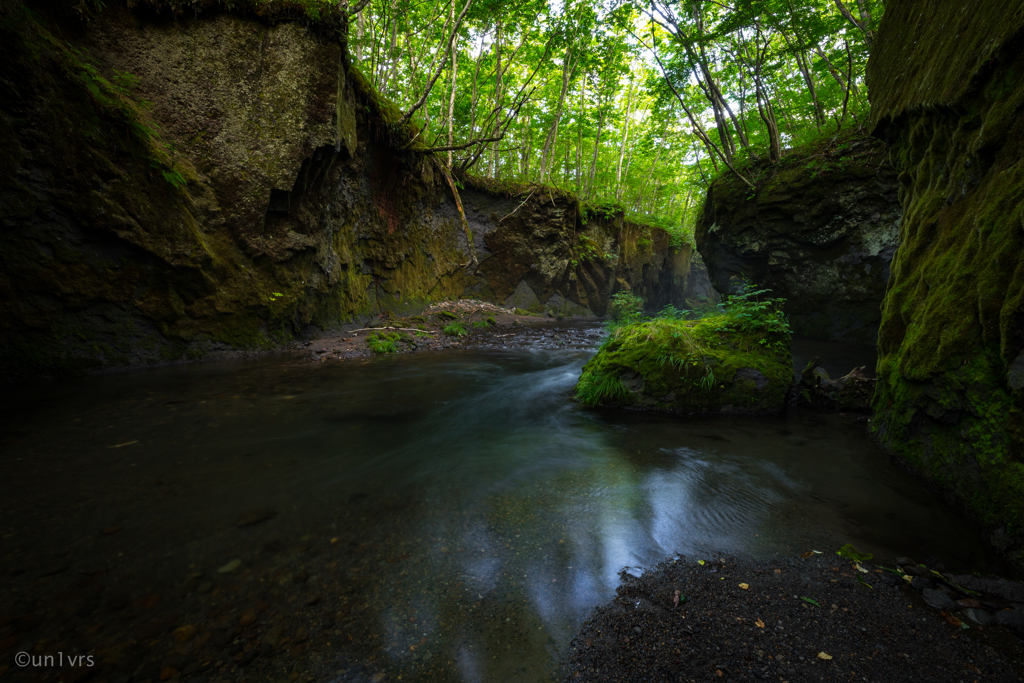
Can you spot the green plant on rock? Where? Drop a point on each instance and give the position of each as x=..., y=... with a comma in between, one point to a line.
x=382, y=342
x=586, y=248
x=626, y=307
x=752, y=311
x=484, y=324
x=455, y=329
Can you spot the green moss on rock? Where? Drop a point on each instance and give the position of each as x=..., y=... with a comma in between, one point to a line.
x=692, y=367
x=947, y=403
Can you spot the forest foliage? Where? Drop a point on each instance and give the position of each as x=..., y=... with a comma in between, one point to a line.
x=639, y=104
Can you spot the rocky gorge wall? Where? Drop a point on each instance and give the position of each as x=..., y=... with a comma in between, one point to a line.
x=950, y=397
x=173, y=187
x=819, y=230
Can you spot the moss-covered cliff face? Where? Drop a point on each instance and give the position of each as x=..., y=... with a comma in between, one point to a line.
x=819, y=230
x=950, y=396
x=175, y=187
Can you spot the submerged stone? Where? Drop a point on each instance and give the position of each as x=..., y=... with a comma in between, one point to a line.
x=705, y=366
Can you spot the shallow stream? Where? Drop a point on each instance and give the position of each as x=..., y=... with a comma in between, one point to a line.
x=448, y=516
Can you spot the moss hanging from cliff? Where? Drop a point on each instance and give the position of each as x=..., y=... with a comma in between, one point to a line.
x=947, y=402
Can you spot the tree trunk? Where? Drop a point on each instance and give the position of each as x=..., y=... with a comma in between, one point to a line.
x=625, y=138
x=476, y=92
x=451, y=101
x=497, y=97
x=597, y=146
x=805, y=69
x=548, y=153
x=360, y=32
x=865, y=20
x=392, y=57
x=527, y=151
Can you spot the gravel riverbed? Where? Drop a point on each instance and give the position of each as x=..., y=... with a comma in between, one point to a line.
x=799, y=619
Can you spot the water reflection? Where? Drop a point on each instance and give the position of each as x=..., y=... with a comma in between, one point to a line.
x=457, y=512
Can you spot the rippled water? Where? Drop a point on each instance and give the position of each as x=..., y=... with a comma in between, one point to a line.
x=471, y=510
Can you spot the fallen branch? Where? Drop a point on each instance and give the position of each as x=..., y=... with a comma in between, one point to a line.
x=521, y=205
x=465, y=223
x=404, y=329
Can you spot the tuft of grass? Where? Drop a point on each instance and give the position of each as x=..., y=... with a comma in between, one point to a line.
x=455, y=329
x=380, y=342
x=594, y=390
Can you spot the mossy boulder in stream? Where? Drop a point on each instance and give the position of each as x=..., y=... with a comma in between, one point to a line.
x=712, y=365
x=947, y=91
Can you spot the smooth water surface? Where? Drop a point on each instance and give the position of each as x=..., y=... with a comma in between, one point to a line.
x=456, y=515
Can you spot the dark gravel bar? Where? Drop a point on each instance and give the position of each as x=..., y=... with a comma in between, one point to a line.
x=802, y=619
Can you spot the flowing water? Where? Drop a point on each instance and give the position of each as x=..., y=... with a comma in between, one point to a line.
x=449, y=516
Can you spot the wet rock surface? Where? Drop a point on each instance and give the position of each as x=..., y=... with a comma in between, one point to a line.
x=820, y=231
x=851, y=392
x=801, y=619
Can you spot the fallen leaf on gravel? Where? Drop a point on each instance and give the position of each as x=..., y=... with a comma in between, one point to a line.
x=759, y=623
x=860, y=569
x=813, y=602
x=822, y=655
x=806, y=555
x=744, y=586
x=230, y=566
x=953, y=621
x=700, y=562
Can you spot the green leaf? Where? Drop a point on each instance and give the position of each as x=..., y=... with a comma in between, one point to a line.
x=850, y=553
x=813, y=602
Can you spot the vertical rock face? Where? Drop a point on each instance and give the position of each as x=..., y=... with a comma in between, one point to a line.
x=172, y=187
x=819, y=230
x=947, y=89
x=541, y=250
